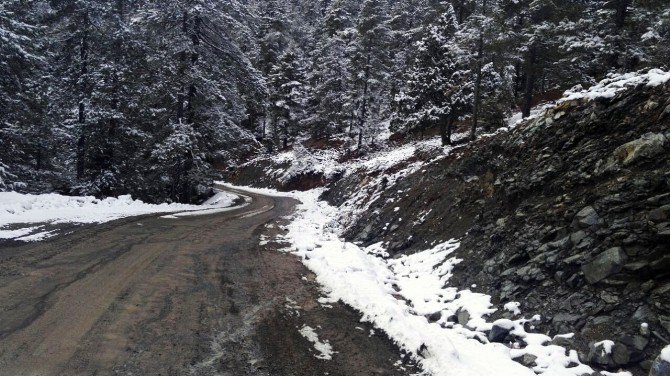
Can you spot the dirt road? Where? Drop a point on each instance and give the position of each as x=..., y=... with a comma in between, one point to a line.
x=193, y=295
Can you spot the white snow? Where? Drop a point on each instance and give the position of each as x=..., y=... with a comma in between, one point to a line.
x=617, y=82
x=364, y=282
x=324, y=348
x=23, y=209
x=513, y=307
x=11, y=234
x=607, y=346
x=665, y=353
x=39, y=236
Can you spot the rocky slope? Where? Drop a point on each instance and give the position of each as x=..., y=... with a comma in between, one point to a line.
x=569, y=214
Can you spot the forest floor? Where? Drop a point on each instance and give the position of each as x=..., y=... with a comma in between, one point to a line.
x=196, y=295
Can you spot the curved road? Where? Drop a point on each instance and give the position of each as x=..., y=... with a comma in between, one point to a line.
x=194, y=295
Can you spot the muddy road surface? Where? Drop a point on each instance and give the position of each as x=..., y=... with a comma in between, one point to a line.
x=194, y=295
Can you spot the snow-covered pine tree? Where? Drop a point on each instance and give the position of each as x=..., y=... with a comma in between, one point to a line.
x=370, y=65
x=6, y=178
x=656, y=36
x=330, y=106
x=439, y=90
x=22, y=131
x=480, y=35
x=288, y=94
x=204, y=81
x=407, y=22
x=534, y=25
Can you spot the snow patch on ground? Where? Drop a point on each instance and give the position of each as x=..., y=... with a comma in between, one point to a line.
x=617, y=82
x=38, y=236
x=513, y=307
x=665, y=354
x=22, y=209
x=324, y=348
x=21, y=232
x=219, y=203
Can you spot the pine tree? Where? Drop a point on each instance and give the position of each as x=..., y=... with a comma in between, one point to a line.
x=287, y=96
x=332, y=102
x=407, y=22
x=330, y=106
x=24, y=135
x=369, y=60
x=440, y=86
x=206, y=81
x=656, y=34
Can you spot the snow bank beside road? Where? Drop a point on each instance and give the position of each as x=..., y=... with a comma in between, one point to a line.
x=399, y=295
x=21, y=209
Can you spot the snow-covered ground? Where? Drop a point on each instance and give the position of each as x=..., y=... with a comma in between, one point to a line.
x=665, y=354
x=398, y=295
x=617, y=82
x=21, y=212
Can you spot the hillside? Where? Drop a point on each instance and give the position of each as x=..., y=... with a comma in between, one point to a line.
x=566, y=214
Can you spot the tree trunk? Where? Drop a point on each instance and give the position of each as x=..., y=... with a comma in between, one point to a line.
x=443, y=131
x=446, y=123
x=620, y=13
x=450, y=123
x=181, y=96
x=517, y=64
x=529, y=82
x=188, y=166
x=81, y=143
x=477, y=93
x=461, y=11
x=192, y=90
x=264, y=126
x=478, y=79
x=38, y=157
x=113, y=121
x=364, y=105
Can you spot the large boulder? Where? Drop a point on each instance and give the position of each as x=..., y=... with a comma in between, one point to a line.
x=660, y=214
x=600, y=353
x=463, y=316
x=647, y=146
x=587, y=217
x=604, y=265
x=500, y=330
